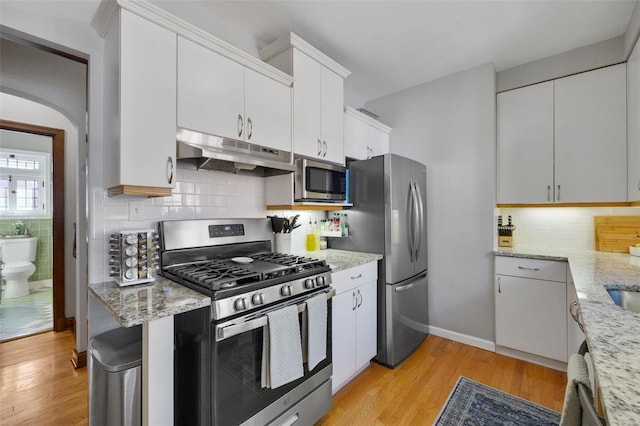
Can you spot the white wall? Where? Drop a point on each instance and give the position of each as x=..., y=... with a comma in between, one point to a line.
x=449, y=124
x=561, y=227
x=22, y=110
x=27, y=21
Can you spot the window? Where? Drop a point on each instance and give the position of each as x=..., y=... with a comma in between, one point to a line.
x=25, y=183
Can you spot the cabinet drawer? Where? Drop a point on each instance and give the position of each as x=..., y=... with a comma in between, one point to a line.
x=348, y=279
x=549, y=270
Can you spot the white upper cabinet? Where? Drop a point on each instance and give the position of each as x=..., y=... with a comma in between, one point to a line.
x=140, y=106
x=318, y=97
x=364, y=137
x=564, y=141
x=591, y=136
x=633, y=125
x=221, y=97
x=210, y=91
x=525, y=145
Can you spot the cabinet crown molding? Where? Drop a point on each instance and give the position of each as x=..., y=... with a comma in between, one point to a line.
x=107, y=9
x=352, y=112
x=293, y=40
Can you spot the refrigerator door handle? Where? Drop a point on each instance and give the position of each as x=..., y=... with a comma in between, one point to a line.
x=415, y=224
x=410, y=223
x=420, y=219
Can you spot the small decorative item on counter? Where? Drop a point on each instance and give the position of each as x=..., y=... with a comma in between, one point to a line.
x=635, y=250
x=311, y=238
x=505, y=233
x=134, y=256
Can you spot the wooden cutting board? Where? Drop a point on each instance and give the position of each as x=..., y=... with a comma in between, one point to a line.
x=616, y=233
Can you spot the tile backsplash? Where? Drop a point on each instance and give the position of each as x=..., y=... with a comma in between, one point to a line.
x=565, y=227
x=41, y=228
x=198, y=195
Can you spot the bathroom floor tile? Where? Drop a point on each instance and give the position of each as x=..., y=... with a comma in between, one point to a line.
x=26, y=315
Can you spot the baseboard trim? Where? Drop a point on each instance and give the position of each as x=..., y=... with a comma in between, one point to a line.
x=487, y=345
x=79, y=359
x=70, y=324
x=535, y=359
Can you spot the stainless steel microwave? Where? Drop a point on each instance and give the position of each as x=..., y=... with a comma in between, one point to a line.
x=318, y=181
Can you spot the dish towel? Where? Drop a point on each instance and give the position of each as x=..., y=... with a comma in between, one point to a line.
x=281, y=348
x=316, y=330
x=576, y=373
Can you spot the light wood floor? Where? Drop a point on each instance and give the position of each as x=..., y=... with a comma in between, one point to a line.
x=414, y=392
x=38, y=384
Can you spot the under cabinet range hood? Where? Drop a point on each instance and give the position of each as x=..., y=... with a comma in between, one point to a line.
x=208, y=152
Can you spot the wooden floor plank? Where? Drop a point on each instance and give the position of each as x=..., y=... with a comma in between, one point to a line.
x=414, y=392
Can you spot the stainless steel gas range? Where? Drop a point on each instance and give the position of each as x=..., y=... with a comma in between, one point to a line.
x=219, y=353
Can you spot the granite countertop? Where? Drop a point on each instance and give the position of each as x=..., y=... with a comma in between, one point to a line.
x=141, y=303
x=339, y=260
x=613, y=333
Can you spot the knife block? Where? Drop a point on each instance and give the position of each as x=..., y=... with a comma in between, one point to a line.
x=505, y=240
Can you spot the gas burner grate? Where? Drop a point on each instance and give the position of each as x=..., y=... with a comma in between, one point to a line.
x=299, y=262
x=215, y=274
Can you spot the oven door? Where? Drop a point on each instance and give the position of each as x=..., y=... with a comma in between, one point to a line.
x=237, y=366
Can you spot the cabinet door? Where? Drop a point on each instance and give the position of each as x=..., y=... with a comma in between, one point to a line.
x=267, y=111
x=366, y=324
x=531, y=316
x=355, y=138
x=633, y=124
x=307, y=132
x=332, y=116
x=525, y=145
x=343, y=330
x=378, y=142
x=147, y=103
x=591, y=136
x=210, y=92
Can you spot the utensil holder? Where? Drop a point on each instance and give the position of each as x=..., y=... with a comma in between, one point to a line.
x=282, y=242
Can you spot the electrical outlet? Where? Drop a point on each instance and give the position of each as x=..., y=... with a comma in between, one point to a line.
x=136, y=210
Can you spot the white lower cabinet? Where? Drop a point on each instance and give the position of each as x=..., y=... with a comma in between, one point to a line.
x=531, y=306
x=353, y=322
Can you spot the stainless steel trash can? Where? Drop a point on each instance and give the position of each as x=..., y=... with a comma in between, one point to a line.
x=115, y=396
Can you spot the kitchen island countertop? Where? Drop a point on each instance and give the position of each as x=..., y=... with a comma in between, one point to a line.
x=340, y=260
x=612, y=333
x=142, y=303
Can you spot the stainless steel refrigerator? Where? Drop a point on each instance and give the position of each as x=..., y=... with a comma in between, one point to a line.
x=388, y=217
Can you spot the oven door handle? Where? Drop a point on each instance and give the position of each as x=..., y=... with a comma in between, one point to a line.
x=223, y=333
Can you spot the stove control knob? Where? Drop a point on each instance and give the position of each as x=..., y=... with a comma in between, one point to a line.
x=285, y=290
x=309, y=283
x=240, y=304
x=319, y=281
x=258, y=299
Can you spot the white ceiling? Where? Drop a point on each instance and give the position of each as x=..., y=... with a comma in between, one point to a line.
x=395, y=44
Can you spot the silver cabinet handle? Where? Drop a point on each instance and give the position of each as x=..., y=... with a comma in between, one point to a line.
x=356, y=277
x=319, y=147
x=240, y=125
x=548, y=192
x=576, y=314
x=524, y=268
x=558, y=198
x=169, y=169
x=249, y=128
x=499, y=285
x=420, y=218
x=324, y=144
x=355, y=301
x=360, y=302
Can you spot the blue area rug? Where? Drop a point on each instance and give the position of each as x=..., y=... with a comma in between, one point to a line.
x=472, y=403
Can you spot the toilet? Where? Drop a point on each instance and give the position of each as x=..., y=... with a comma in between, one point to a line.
x=18, y=255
